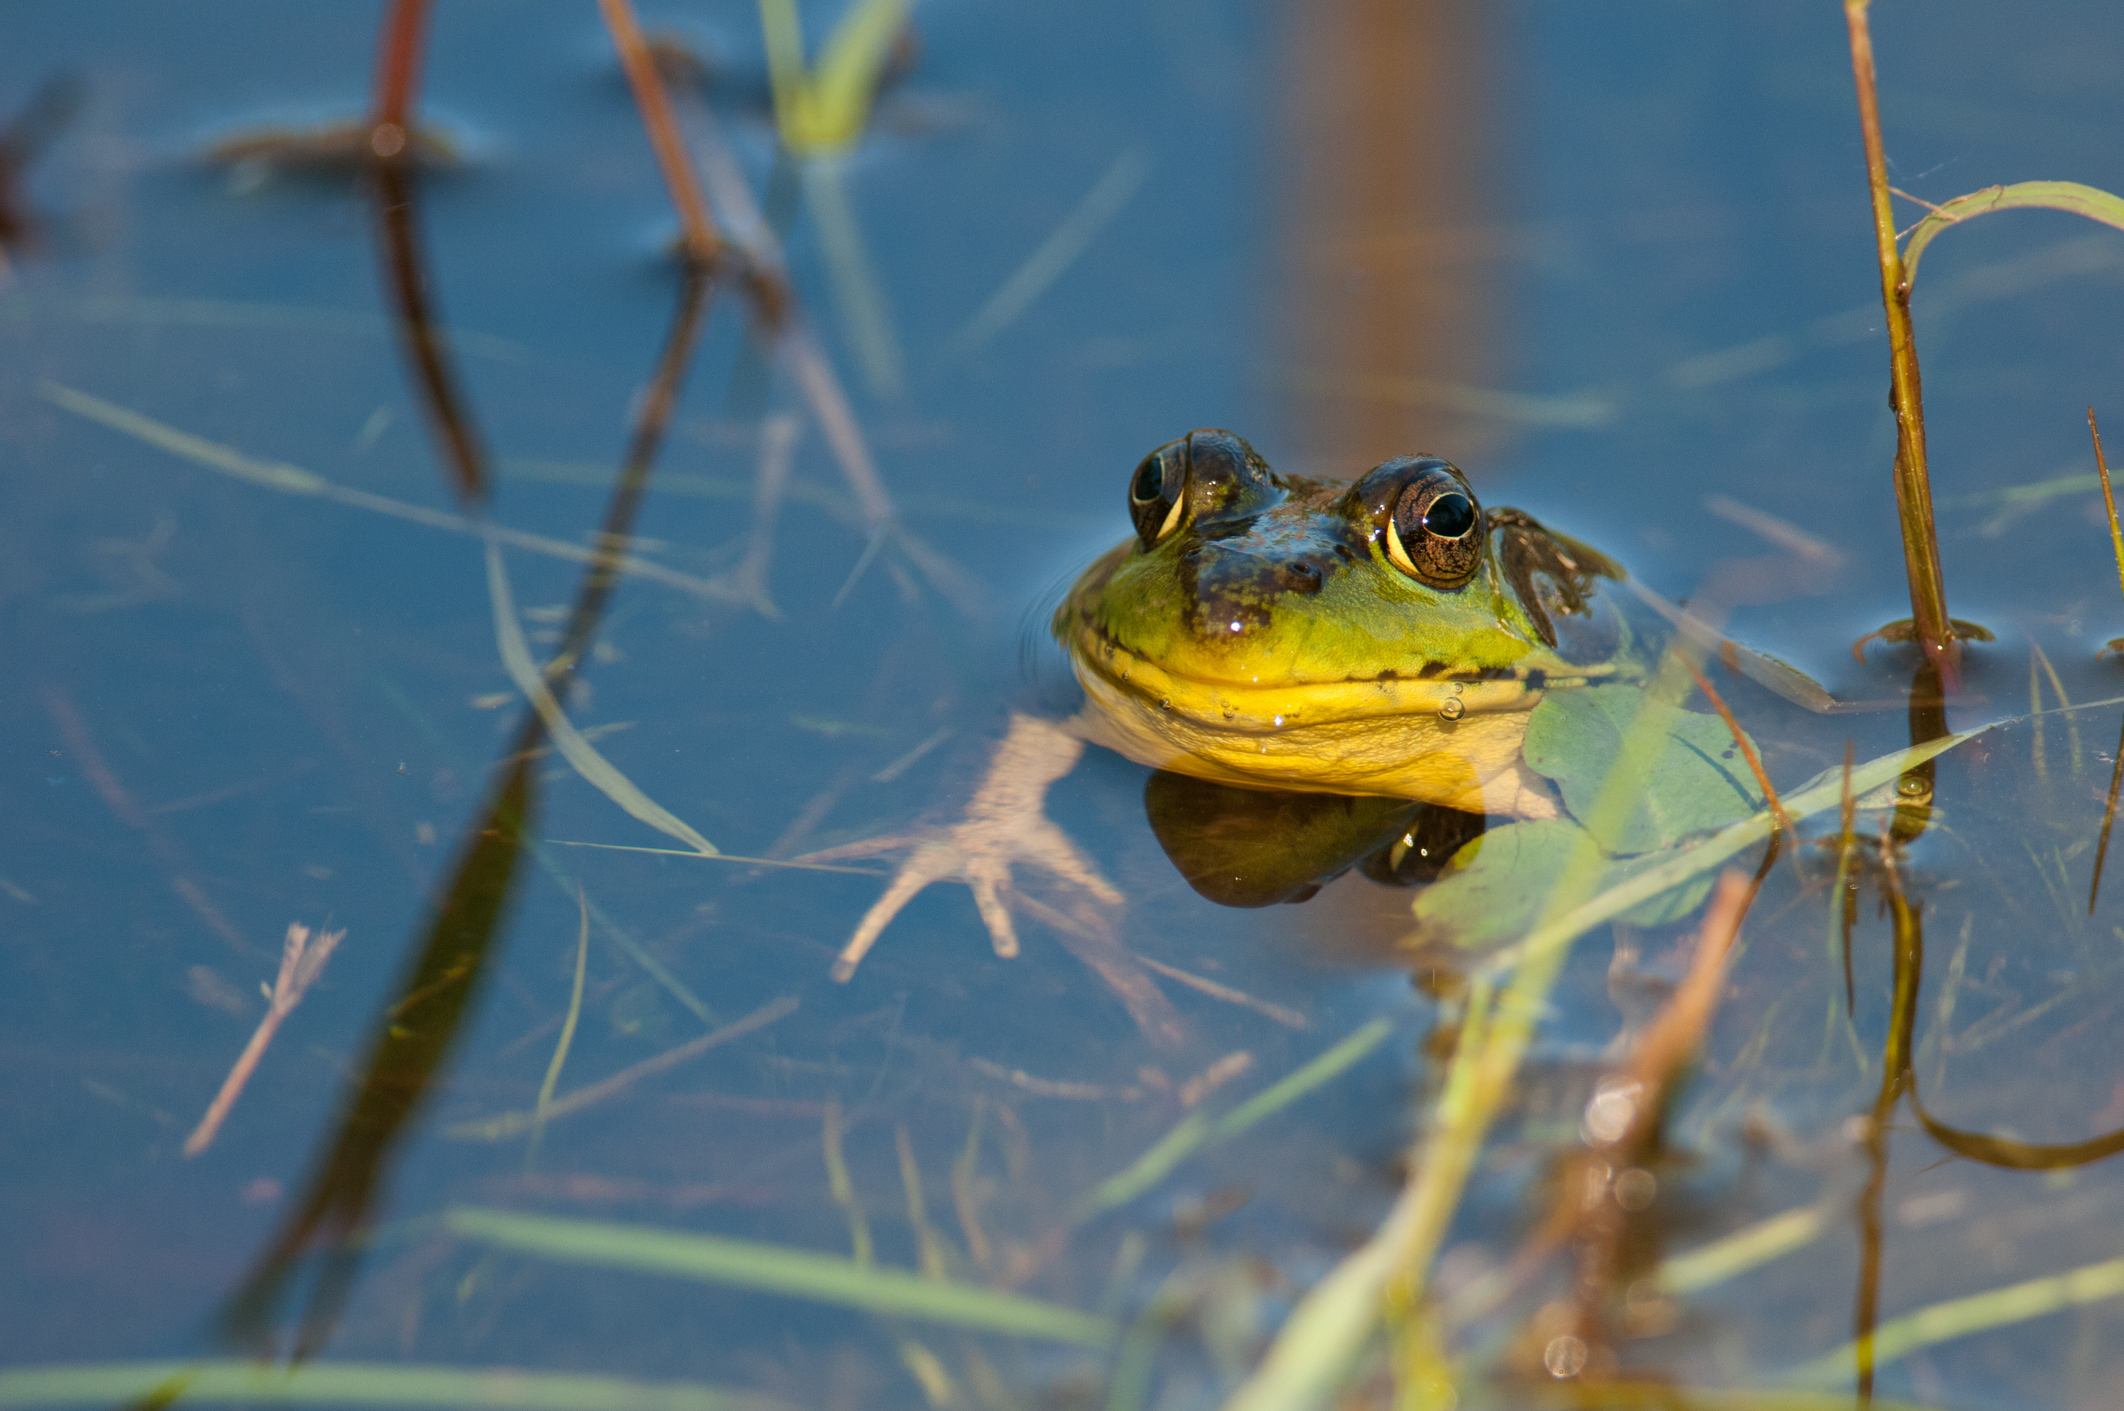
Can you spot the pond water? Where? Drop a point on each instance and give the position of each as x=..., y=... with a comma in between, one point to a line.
x=1614, y=261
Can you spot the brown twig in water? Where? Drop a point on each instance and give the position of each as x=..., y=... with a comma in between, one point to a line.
x=397, y=71
x=1741, y=740
x=300, y=963
x=1913, y=485
x=703, y=242
x=1623, y=1120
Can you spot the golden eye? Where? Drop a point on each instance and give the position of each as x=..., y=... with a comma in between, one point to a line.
x=1157, y=494
x=1434, y=532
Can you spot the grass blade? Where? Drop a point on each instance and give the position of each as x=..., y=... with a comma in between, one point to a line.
x=774, y=1268
x=567, y=1033
x=1959, y=1317
x=595, y=769
x=1201, y=1130
x=294, y=480
x=359, y=1384
x=2068, y=196
x=1114, y=190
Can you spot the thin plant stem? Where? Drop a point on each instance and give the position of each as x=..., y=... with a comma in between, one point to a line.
x=929, y=1246
x=509, y=1124
x=2072, y=724
x=2109, y=498
x=1913, y=485
x=1741, y=740
x=567, y=1033
x=2035, y=718
x=843, y=1187
x=1895, y=1080
x=397, y=72
x=703, y=242
x=1846, y=900
x=2109, y=818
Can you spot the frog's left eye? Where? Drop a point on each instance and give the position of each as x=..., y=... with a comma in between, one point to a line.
x=1157, y=493
x=1434, y=531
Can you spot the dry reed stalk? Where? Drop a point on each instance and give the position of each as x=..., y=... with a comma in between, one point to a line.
x=300, y=963
x=1913, y=484
x=703, y=243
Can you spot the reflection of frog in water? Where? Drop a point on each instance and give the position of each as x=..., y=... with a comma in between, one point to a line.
x=1385, y=639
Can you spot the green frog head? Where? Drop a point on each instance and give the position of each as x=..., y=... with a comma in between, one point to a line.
x=1384, y=636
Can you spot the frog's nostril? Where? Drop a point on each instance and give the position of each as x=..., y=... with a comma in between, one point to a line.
x=1301, y=577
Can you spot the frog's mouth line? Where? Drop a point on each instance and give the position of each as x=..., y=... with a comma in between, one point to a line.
x=1389, y=738
x=1248, y=706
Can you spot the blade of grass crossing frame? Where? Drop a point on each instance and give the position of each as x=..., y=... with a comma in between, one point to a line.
x=396, y=1384
x=1959, y=1317
x=771, y=1268
x=1200, y=1130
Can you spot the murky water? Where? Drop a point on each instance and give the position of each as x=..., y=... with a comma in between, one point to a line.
x=1614, y=261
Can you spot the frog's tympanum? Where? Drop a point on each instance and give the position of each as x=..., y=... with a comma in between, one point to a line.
x=1381, y=639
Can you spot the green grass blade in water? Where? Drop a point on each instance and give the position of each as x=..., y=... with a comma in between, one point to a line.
x=775, y=1268
x=358, y=1384
x=1198, y=1130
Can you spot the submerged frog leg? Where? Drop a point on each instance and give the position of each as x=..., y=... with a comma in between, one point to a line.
x=1005, y=823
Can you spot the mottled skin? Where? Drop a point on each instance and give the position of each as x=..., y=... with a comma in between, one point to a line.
x=1267, y=637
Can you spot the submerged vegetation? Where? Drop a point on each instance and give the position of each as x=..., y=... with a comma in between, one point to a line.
x=1554, y=1217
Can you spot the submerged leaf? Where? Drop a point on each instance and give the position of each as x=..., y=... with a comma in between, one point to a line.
x=1694, y=780
x=1495, y=888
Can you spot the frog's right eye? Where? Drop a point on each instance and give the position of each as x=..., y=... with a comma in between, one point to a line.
x=1157, y=494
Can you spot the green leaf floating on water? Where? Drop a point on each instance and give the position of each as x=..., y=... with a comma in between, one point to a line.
x=1694, y=779
x=1494, y=888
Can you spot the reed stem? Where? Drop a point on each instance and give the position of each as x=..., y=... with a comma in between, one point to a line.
x=1913, y=485
x=397, y=71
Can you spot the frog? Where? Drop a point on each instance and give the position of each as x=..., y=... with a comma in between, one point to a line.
x=1386, y=636
x=1382, y=637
